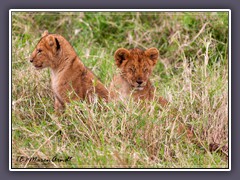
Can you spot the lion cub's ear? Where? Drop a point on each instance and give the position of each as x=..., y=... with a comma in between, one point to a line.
x=120, y=55
x=152, y=54
x=50, y=40
x=53, y=41
x=45, y=33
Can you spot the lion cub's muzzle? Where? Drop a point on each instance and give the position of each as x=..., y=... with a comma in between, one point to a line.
x=36, y=65
x=139, y=84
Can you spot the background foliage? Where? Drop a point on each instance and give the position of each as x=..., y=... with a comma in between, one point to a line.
x=192, y=74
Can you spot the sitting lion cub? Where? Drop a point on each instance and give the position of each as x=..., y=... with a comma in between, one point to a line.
x=135, y=67
x=70, y=78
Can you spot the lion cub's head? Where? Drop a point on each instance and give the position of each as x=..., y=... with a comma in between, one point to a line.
x=46, y=51
x=136, y=65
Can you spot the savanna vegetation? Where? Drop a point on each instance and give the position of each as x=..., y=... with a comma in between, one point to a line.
x=192, y=74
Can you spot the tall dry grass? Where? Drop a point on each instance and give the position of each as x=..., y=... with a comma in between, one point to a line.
x=192, y=132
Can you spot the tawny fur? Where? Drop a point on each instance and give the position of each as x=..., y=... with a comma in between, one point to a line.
x=135, y=67
x=71, y=80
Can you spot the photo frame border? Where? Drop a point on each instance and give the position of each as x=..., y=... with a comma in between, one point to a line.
x=119, y=169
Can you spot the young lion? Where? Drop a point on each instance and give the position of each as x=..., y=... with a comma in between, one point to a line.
x=135, y=66
x=70, y=78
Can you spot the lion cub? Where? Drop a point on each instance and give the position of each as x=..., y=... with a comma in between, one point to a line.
x=71, y=80
x=135, y=67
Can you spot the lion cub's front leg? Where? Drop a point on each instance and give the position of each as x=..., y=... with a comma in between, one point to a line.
x=163, y=101
x=58, y=105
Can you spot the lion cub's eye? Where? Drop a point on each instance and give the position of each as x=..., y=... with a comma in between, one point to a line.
x=145, y=70
x=132, y=69
x=39, y=50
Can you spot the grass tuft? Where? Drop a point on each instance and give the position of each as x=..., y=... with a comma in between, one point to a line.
x=192, y=74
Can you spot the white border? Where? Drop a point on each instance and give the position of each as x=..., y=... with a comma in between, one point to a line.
x=229, y=89
x=117, y=10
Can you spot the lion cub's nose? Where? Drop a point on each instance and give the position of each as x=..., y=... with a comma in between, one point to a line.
x=139, y=81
